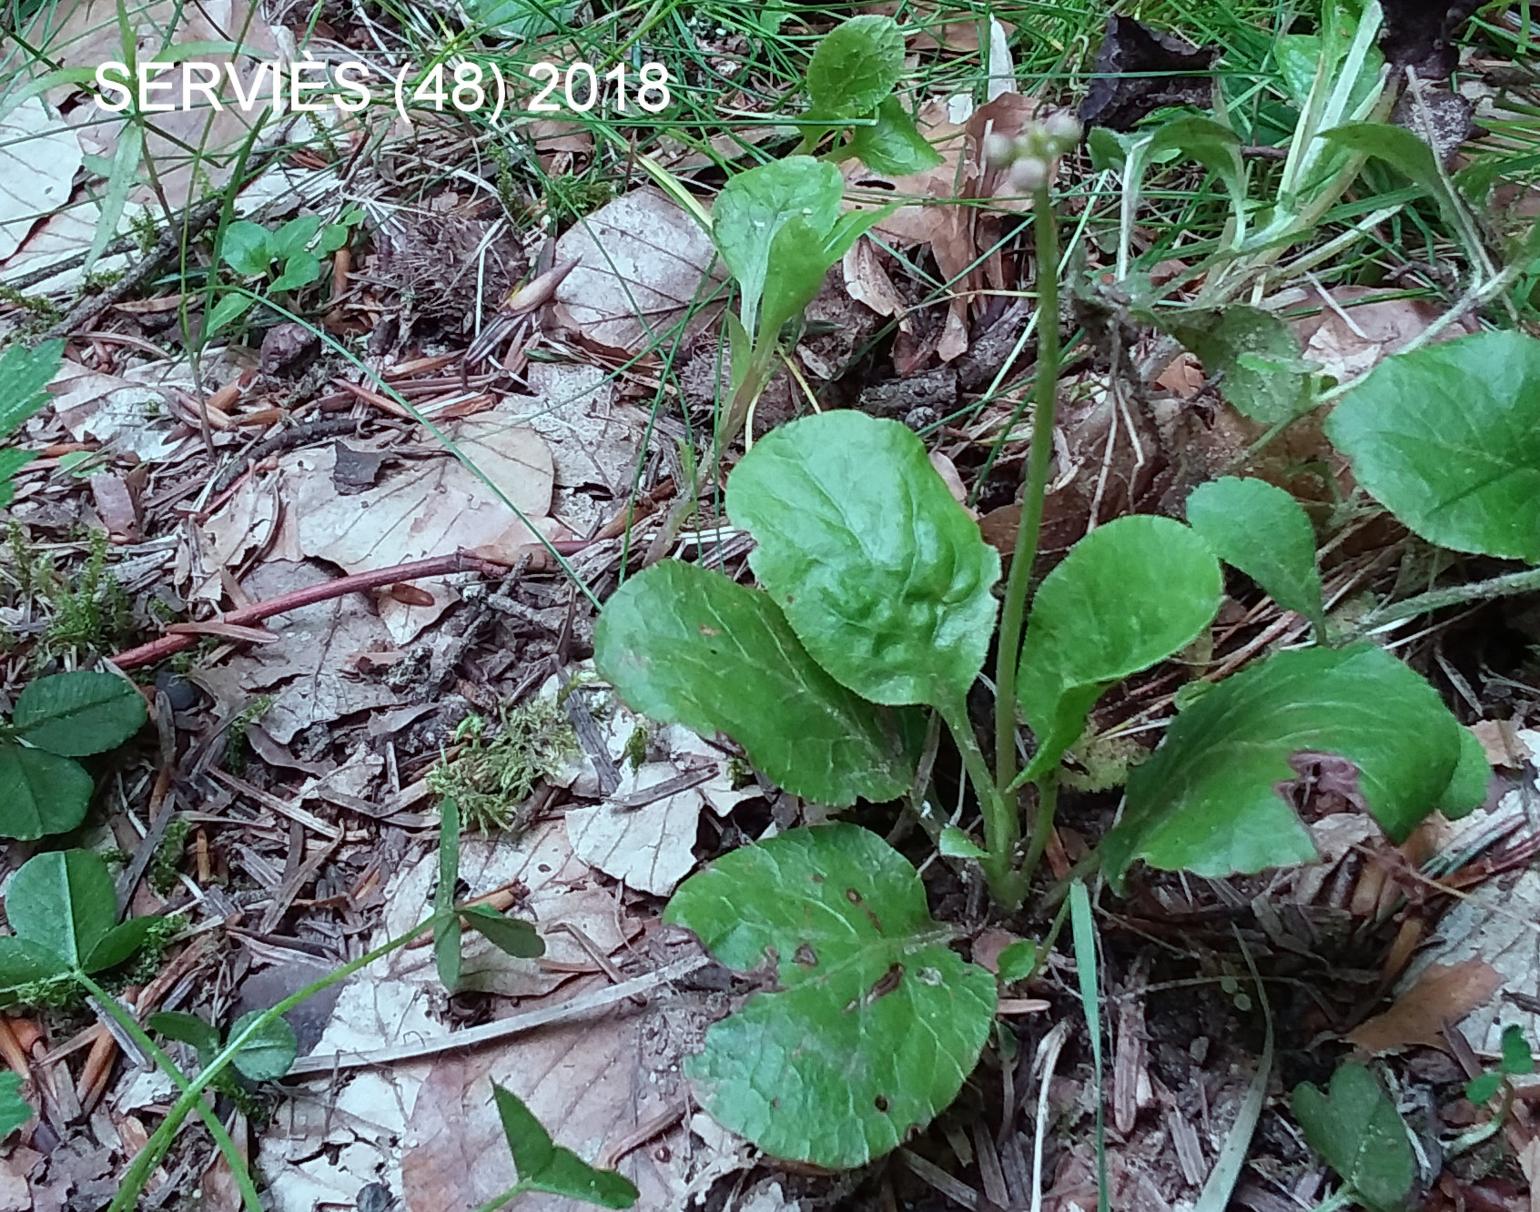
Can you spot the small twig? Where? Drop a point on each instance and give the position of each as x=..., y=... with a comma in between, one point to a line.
x=502, y=1028
x=413, y=570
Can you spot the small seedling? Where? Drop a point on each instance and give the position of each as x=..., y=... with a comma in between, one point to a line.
x=280, y=260
x=57, y=718
x=1517, y=1060
x=850, y=81
x=545, y=1166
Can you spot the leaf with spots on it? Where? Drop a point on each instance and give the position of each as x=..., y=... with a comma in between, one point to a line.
x=876, y=1022
x=1355, y=1126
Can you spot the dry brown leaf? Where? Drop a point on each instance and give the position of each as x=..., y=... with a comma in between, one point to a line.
x=85, y=33
x=591, y=1083
x=867, y=281
x=642, y=263
x=435, y=506
x=39, y=157
x=309, y=669
x=1355, y=331
x=1500, y=742
x=1444, y=993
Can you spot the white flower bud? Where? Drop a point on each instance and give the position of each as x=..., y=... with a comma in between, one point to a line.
x=1028, y=174
x=1064, y=129
x=999, y=150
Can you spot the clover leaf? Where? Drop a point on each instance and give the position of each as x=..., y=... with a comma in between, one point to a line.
x=881, y=574
x=1126, y=596
x=56, y=718
x=1214, y=797
x=875, y=1022
x=685, y=645
x=1355, y=1126
x=62, y=907
x=1448, y=439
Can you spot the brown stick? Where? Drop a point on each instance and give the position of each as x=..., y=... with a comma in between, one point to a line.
x=434, y=566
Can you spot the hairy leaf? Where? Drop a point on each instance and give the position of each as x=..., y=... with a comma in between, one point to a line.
x=876, y=1022
x=855, y=66
x=543, y=1165
x=1214, y=799
x=1448, y=439
x=882, y=575
x=40, y=793
x=685, y=645
x=1355, y=1126
x=1127, y=595
x=78, y=713
x=1263, y=531
x=1254, y=353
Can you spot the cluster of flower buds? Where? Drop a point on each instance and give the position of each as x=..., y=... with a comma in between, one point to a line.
x=1030, y=155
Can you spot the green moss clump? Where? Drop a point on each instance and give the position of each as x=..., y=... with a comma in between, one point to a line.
x=497, y=767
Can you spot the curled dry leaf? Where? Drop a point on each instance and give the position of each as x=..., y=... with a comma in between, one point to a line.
x=643, y=266
x=1441, y=996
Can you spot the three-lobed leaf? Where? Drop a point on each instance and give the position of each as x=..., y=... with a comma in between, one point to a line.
x=855, y=66
x=1128, y=595
x=876, y=1022
x=543, y=1165
x=1448, y=439
x=686, y=645
x=1261, y=530
x=40, y=792
x=79, y=712
x=881, y=574
x=1355, y=1126
x=1214, y=797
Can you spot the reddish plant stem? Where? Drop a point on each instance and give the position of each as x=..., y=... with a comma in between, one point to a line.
x=434, y=566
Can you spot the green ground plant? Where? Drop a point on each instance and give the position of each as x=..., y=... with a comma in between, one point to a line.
x=274, y=262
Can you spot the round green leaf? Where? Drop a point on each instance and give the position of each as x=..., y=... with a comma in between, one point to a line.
x=687, y=646
x=894, y=145
x=247, y=247
x=1212, y=799
x=78, y=713
x=63, y=902
x=1127, y=595
x=875, y=1023
x=856, y=65
x=882, y=575
x=40, y=793
x=267, y=1055
x=1448, y=439
x=1263, y=531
